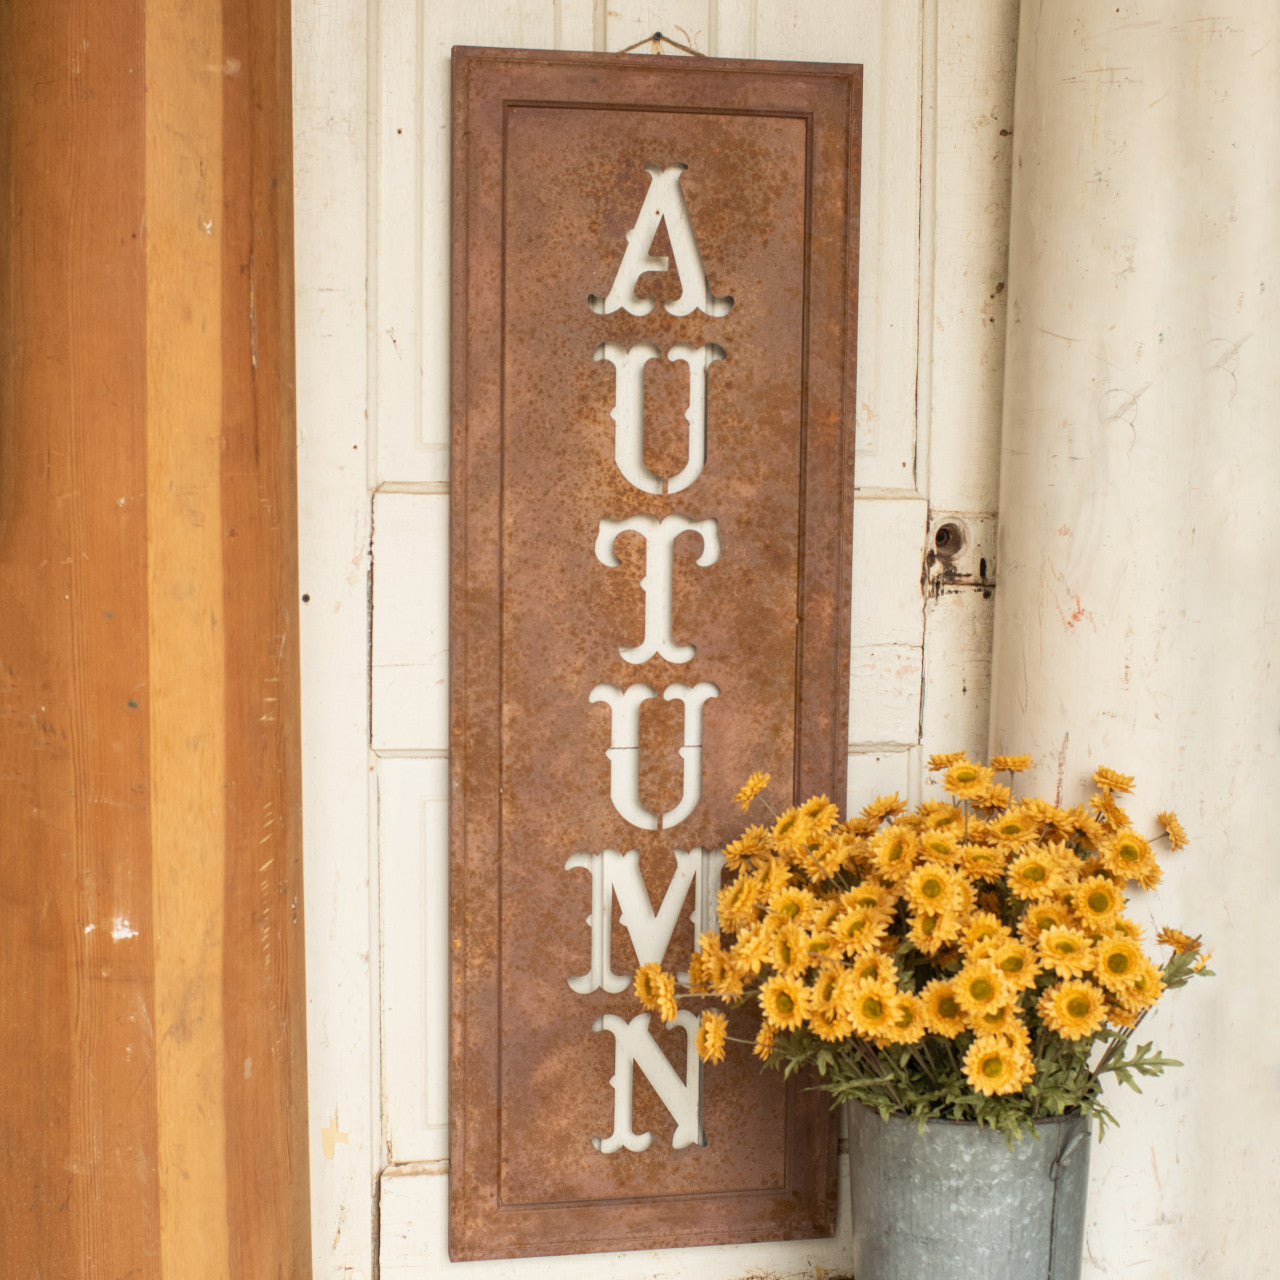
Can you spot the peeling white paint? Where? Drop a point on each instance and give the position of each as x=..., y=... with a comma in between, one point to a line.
x=122, y=929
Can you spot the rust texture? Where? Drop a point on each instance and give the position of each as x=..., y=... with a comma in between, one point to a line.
x=549, y=177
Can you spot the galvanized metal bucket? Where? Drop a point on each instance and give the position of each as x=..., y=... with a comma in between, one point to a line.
x=954, y=1203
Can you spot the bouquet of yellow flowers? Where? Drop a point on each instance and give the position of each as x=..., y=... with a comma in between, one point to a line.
x=970, y=960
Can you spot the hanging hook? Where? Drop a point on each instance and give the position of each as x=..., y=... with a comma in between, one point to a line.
x=659, y=39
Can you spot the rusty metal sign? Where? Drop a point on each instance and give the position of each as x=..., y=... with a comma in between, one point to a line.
x=654, y=284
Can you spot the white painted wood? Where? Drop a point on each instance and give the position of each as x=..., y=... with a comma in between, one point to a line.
x=888, y=549
x=884, y=695
x=410, y=668
x=972, y=140
x=688, y=21
x=878, y=773
x=734, y=28
x=415, y=1206
x=957, y=672
x=413, y=835
x=1135, y=621
x=330, y=226
x=885, y=38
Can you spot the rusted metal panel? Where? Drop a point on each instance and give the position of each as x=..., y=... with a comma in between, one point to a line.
x=548, y=633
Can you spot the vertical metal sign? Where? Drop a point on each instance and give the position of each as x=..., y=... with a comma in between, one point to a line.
x=654, y=284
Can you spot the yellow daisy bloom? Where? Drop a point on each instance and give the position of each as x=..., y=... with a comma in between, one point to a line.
x=753, y=786
x=667, y=1009
x=819, y=814
x=650, y=982
x=939, y=815
x=1043, y=915
x=984, y=932
x=713, y=1027
x=931, y=888
x=941, y=845
x=1066, y=951
x=750, y=847
x=1145, y=987
x=883, y=807
x=1173, y=829
x=785, y=829
x=793, y=903
x=1014, y=828
x=723, y=975
x=1046, y=814
x=942, y=1010
x=823, y=990
x=995, y=795
x=983, y=862
x=1096, y=901
x=875, y=966
x=964, y=780
x=1127, y=928
x=736, y=903
x=763, y=1047
x=1010, y=764
x=875, y=898
x=1033, y=875
x=1017, y=963
x=1128, y=856
x=994, y=1067
x=931, y=931
x=785, y=1002
x=1084, y=827
x=831, y=1023
x=907, y=1019
x=980, y=987
x=945, y=760
x=1003, y=1021
x=872, y=1008
x=790, y=952
x=894, y=851
x=1179, y=941
x=859, y=930
x=1112, y=814
x=1073, y=1009
x=1111, y=780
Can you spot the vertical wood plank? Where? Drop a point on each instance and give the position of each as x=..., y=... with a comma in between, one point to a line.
x=77, y=1124
x=137, y=411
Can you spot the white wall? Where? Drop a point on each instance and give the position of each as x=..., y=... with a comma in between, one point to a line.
x=1138, y=573
x=372, y=145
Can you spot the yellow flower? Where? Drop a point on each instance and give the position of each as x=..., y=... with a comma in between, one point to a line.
x=941, y=844
x=980, y=987
x=1096, y=901
x=894, y=851
x=875, y=966
x=1033, y=875
x=667, y=1009
x=1113, y=815
x=751, y=846
x=1173, y=828
x=1073, y=1009
x=790, y=953
x=945, y=760
x=1017, y=963
x=1111, y=780
x=1179, y=941
x=942, y=1010
x=1010, y=764
x=1066, y=951
x=872, y=1007
x=763, y=1047
x=831, y=1023
x=994, y=795
x=984, y=933
x=1043, y=915
x=859, y=930
x=907, y=1019
x=712, y=1029
x=785, y=829
x=930, y=931
x=883, y=807
x=1003, y=1021
x=753, y=786
x=983, y=862
x=965, y=779
x=736, y=903
x=819, y=816
x=792, y=903
x=1128, y=856
x=941, y=816
x=1144, y=989
x=993, y=1066
x=1118, y=964
x=651, y=983
x=931, y=888
x=785, y=1002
